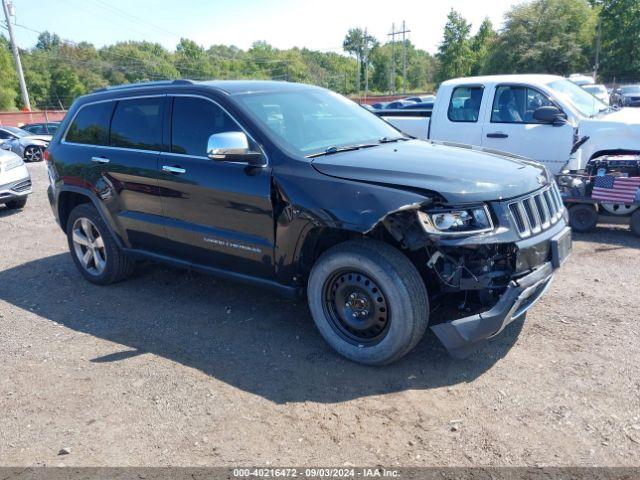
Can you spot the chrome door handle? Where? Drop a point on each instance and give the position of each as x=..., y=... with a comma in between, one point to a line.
x=99, y=159
x=167, y=168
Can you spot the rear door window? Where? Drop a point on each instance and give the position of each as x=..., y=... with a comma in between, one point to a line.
x=137, y=124
x=465, y=104
x=91, y=124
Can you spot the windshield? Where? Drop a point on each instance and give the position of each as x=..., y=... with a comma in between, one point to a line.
x=582, y=101
x=18, y=132
x=630, y=89
x=312, y=121
x=595, y=88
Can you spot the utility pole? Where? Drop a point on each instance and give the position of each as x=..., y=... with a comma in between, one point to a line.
x=404, y=58
x=596, y=65
x=392, y=73
x=393, y=57
x=366, y=63
x=16, y=57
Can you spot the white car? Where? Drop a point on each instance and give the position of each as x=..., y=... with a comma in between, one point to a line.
x=540, y=117
x=598, y=91
x=15, y=181
x=29, y=146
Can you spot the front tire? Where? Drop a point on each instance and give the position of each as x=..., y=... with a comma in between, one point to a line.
x=634, y=223
x=368, y=301
x=93, y=248
x=17, y=203
x=583, y=217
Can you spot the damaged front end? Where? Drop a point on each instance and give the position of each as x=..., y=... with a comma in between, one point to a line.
x=481, y=270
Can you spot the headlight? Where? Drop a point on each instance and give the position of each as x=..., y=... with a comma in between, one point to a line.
x=459, y=221
x=13, y=163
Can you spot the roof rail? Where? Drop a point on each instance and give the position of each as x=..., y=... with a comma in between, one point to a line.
x=124, y=86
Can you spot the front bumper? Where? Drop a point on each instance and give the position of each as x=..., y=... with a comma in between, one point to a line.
x=16, y=189
x=463, y=336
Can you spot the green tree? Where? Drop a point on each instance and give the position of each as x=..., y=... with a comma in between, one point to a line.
x=620, y=57
x=191, y=61
x=8, y=77
x=545, y=36
x=360, y=44
x=481, y=44
x=47, y=41
x=65, y=85
x=454, y=53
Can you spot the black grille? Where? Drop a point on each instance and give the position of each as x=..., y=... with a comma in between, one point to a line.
x=22, y=186
x=537, y=212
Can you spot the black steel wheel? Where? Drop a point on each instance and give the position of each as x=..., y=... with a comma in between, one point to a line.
x=368, y=301
x=356, y=307
x=583, y=217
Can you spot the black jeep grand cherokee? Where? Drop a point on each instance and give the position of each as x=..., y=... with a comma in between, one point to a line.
x=297, y=189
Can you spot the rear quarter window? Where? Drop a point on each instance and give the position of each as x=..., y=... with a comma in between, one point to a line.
x=465, y=104
x=91, y=124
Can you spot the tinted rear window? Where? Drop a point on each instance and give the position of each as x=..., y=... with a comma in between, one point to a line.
x=465, y=104
x=137, y=124
x=91, y=125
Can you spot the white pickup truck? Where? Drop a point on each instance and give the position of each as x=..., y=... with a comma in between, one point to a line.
x=542, y=117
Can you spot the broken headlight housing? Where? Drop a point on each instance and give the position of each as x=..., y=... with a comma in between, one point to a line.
x=456, y=221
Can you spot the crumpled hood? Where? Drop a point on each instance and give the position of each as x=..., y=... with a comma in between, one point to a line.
x=460, y=175
x=625, y=117
x=35, y=139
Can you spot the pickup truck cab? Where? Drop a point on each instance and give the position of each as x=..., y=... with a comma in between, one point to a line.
x=297, y=189
x=540, y=117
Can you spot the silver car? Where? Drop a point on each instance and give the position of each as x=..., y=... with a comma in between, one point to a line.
x=15, y=181
x=30, y=147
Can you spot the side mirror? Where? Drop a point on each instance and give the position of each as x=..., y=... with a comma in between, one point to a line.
x=233, y=147
x=551, y=115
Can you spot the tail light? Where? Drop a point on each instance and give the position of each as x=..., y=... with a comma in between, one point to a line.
x=46, y=156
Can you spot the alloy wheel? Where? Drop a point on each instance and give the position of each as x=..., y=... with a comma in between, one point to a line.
x=88, y=246
x=33, y=154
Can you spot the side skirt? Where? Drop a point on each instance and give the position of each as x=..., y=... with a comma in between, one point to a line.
x=283, y=290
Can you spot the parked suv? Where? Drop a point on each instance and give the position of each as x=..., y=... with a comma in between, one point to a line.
x=297, y=189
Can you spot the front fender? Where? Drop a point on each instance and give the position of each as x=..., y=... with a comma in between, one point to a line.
x=612, y=138
x=306, y=203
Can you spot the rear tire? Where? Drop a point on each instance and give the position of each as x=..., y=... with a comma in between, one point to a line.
x=93, y=248
x=17, y=203
x=583, y=217
x=634, y=223
x=368, y=301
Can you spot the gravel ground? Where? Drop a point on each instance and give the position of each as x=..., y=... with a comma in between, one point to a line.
x=175, y=368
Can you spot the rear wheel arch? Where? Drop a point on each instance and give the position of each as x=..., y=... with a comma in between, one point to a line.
x=67, y=201
x=69, y=198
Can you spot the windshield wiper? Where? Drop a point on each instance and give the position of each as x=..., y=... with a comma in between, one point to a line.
x=333, y=149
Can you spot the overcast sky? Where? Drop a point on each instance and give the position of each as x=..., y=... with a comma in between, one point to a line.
x=320, y=24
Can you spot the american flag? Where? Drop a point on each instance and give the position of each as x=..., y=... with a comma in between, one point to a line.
x=615, y=189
